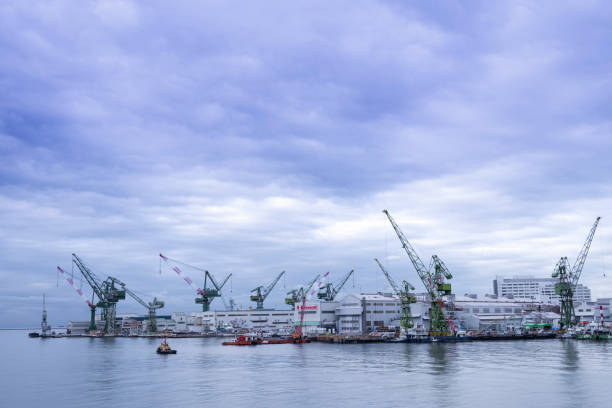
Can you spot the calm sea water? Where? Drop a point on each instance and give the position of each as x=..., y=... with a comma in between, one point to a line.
x=126, y=372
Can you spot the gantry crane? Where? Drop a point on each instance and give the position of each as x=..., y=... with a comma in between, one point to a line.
x=207, y=294
x=433, y=279
x=329, y=291
x=151, y=307
x=260, y=293
x=405, y=296
x=568, y=280
x=107, y=293
x=296, y=295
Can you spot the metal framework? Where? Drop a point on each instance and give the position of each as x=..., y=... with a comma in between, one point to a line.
x=260, y=293
x=329, y=291
x=207, y=293
x=568, y=280
x=151, y=308
x=108, y=296
x=405, y=296
x=296, y=295
x=433, y=278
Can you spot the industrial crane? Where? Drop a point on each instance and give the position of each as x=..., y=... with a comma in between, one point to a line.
x=207, y=294
x=298, y=333
x=151, y=307
x=329, y=291
x=405, y=296
x=260, y=293
x=296, y=295
x=433, y=279
x=568, y=280
x=107, y=293
x=92, y=307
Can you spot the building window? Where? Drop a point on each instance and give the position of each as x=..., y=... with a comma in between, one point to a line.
x=475, y=310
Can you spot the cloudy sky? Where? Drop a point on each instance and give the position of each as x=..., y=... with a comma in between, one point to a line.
x=255, y=137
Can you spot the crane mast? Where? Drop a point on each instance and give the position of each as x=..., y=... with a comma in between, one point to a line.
x=433, y=280
x=406, y=298
x=329, y=291
x=568, y=280
x=151, y=308
x=296, y=295
x=207, y=294
x=108, y=294
x=260, y=293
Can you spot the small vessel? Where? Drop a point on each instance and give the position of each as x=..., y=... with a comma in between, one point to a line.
x=164, y=348
x=34, y=334
x=244, y=340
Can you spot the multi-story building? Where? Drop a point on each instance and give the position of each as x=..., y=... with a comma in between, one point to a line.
x=319, y=316
x=264, y=320
x=493, y=313
x=363, y=313
x=541, y=289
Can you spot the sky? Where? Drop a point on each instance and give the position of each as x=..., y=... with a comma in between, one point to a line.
x=255, y=137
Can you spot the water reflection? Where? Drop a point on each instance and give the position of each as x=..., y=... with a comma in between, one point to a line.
x=439, y=358
x=570, y=357
x=128, y=373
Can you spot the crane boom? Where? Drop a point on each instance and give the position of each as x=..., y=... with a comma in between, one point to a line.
x=389, y=278
x=261, y=293
x=434, y=282
x=92, y=307
x=296, y=295
x=340, y=284
x=207, y=294
x=89, y=276
x=568, y=280
x=404, y=295
x=412, y=254
x=298, y=335
x=329, y=291
x=151, y=308
x=582, y=255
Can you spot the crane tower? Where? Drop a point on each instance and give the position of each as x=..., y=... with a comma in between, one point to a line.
x=433, y=278
x=568, y=280
x=260, y=293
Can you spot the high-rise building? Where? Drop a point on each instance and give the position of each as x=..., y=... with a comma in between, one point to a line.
x=541, y=289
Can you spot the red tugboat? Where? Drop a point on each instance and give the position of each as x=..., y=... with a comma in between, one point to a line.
x=244, y=340
x=164, y=348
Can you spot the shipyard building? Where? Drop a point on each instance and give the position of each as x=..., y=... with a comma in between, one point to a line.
x=541, y=289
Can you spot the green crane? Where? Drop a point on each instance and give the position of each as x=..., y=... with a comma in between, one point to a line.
x=296, y=295
x=329, y=291
x=568, y=280
x=434, y=280
x=405, y=296
x=108, y=296
x=260, y=293
x=207, y=293
x=150, y=306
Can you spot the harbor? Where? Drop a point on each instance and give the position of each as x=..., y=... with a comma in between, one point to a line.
x=521, y=307
x=471, y=373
